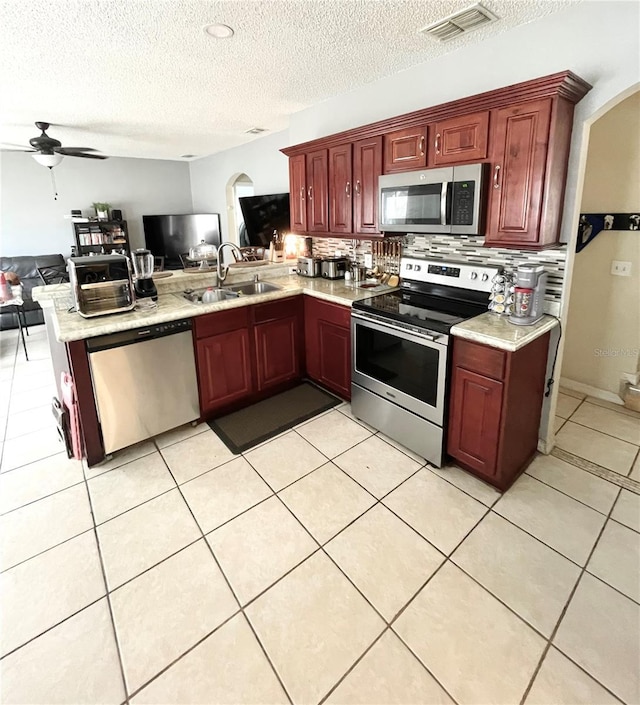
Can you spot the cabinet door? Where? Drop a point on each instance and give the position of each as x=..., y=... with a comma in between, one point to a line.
x=519, y=153
x=474, y=420
x=276, y=352
x=335, y=357
x=367, y=167
x=405, y=149
x=298, y=188
x=340, y=189
x=317, y=191
x=461, y=139
x=224, y=369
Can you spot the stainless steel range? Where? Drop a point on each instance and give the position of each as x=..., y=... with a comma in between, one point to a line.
x=400, y=350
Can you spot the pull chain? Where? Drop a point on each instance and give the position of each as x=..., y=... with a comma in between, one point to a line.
x=53, y=183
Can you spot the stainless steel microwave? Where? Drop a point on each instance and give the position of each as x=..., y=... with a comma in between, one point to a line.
x=443, y=200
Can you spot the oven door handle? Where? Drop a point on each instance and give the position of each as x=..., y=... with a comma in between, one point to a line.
x=396, y=329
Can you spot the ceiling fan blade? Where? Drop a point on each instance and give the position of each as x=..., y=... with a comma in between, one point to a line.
x=70, y=151
x=85, y=156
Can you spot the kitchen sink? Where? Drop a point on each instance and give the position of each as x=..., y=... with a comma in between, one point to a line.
x=195, y=295
x=252, y=288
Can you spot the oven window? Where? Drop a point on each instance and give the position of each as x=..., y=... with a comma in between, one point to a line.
x=401, y=364
x=412, y=205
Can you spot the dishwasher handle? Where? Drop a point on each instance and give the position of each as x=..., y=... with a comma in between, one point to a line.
x=137, y=335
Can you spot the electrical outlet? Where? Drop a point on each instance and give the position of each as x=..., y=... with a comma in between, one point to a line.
x=621, y=269
x=368, y=260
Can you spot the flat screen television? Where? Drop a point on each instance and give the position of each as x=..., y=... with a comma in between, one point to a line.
x=264, y=214
x=169, y=236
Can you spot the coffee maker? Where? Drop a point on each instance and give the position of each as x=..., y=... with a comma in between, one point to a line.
x=528, y=296
x=143, y=271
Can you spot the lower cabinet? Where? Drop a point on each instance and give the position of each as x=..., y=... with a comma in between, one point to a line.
x=495, y=406
x=245, y=354
x=328, y=345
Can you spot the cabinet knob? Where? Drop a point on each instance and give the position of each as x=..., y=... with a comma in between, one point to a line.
x=496, y=177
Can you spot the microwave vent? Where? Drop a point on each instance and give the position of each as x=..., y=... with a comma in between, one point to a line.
x=464, y=21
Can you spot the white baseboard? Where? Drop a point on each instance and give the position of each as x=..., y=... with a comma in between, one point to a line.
x=590, y=391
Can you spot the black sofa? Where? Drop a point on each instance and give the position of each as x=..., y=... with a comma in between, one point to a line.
x=26, y=267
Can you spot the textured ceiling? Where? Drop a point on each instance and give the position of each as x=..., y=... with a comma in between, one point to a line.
x=139, y=78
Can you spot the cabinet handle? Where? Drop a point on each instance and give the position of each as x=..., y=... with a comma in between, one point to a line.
x=302, y=193
x=310, y=193
x=437, y=143
x=347, y=189
x=358, y=188
x=496, y=176
x=422, y=146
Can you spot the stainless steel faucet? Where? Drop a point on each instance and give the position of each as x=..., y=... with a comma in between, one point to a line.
x=222, y=269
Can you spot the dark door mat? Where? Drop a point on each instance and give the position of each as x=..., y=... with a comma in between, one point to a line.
x=257, y=423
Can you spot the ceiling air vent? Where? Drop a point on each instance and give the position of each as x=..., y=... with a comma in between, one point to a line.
x=464, y=21
x=255, y=130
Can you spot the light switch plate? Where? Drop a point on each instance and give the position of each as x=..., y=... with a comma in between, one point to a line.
x=368, y=260
x=621, y=269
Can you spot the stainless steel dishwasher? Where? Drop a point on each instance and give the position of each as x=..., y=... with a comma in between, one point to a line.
x=144, y=382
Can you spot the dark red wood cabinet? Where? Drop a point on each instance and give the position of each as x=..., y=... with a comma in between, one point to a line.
x=277, y=334
x=460, y=139
x=367, y=167
x=405, y=149
x=495, y=406
x=317, y=168
x=245, y=354
x=519, y=157
x=340, y=189
x=523, y=131
x=298, y=193
x=328, y=345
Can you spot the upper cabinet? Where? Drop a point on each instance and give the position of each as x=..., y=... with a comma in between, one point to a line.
x=298, y=193
x=520, y=144
x=318, y=191
x=461, y=139
x=367, y=167
x=405, y=149
x=523, y=131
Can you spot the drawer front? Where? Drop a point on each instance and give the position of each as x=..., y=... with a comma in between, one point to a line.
x=479, y=358
x=274, y=310
x=334, y=313
x=221, y=322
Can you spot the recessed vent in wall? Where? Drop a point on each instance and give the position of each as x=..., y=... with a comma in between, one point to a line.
x=464, y=21
x=255, y=130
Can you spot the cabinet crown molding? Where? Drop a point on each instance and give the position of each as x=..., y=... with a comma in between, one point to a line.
x=564, y=84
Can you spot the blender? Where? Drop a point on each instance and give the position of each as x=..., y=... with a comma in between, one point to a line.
x=143, y=272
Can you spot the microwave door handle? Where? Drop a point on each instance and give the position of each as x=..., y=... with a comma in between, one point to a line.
x=443, y=203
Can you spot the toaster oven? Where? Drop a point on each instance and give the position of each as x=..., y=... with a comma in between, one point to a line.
x=101, y=284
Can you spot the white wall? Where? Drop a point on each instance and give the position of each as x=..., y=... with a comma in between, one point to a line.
x=260, y=160
x=598, y=355
x=31, y=222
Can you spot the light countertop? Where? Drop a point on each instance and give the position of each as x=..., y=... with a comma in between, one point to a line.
x=173, y=306
x=495, y=330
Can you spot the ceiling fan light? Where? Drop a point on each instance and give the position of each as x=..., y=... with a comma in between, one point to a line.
x=49, y=160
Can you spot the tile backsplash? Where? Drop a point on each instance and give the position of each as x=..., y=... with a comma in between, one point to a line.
x=462, y=249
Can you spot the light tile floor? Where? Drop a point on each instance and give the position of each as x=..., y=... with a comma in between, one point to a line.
x=327, y=564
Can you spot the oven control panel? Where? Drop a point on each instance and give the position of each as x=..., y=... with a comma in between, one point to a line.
x=460, y=274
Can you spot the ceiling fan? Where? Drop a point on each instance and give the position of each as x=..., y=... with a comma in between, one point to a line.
x=50, y=152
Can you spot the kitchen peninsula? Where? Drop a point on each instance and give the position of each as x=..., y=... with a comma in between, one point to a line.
x=250, y=347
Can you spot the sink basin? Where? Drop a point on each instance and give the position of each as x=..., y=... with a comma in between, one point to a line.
x=252, y=288
x=195, y=295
